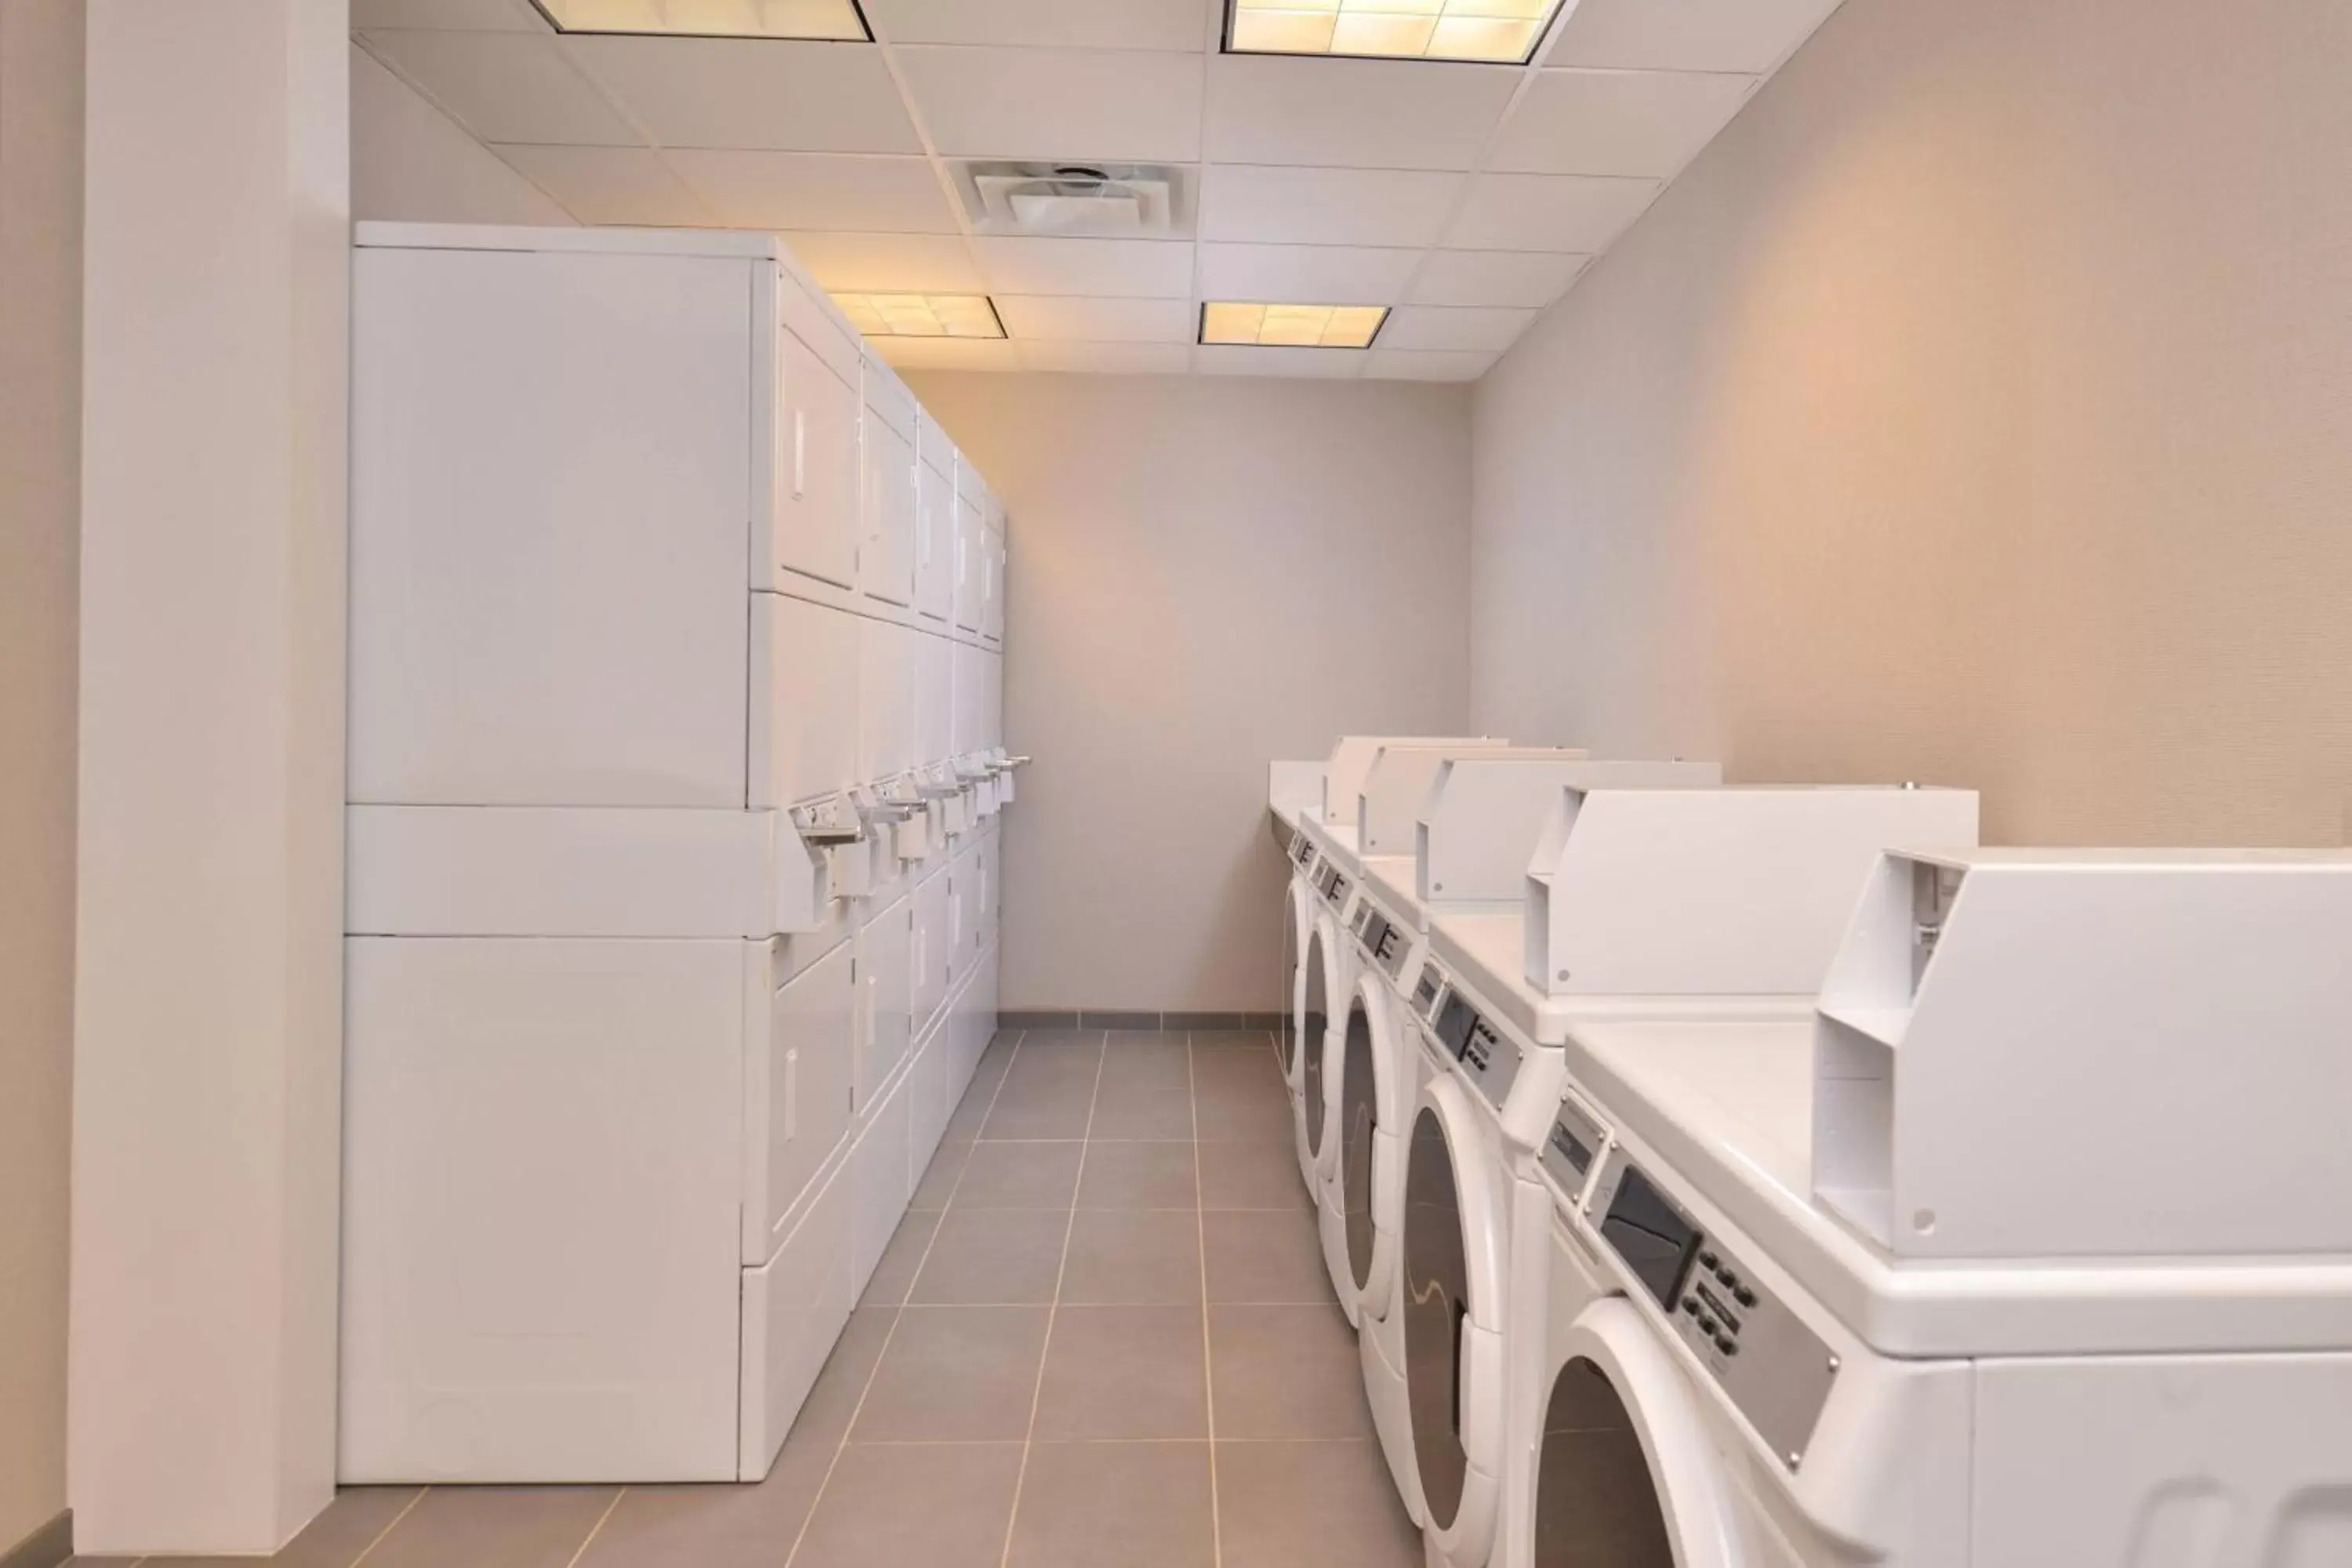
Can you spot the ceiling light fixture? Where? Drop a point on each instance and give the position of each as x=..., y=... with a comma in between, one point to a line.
x=921, y=315
x=839, y=21
x=1495, y=30
x=1292, y=326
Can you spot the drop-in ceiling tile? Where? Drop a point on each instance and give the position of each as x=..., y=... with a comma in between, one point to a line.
x=1119, y=269
x=610, y=185
x=506, y=86
x=1528, y=279
x=1426, y=364
x=1104, y=359
x=1325, y=207
x=1464, y=329
x=1070, y=105
x=1615, y=122
x=1752, y=36
x=1177, y=25
x=1336, y=364
x=888, y=263
x=456, y=15
x=946, y=353
x=817, y=190
x=1097, y=320
x=721, y=92
x=1365, y=114
x=1305, y=274
x=1548, y=212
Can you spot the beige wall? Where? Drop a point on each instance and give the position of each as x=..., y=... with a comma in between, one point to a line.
x=411, y=162
x=1978, y=408
x=1206, y=573
x=40, y=415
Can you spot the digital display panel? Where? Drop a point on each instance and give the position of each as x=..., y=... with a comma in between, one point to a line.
x=1425, y=995
x=1571, y=1149
x=1651, y=1235
x=1454, y=1022
x=1376, y=928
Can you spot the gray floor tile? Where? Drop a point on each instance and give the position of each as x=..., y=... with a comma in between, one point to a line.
x=937, y=1505
x=1143, y=1113
x=1233, y=1041
x=945, y=1170
x=955, y=1375
x=343, y=1530
x=495, y=1527
x=970, y=1114
x=1133, y=1042
x=1236, y=1073
x=1133, y=1256
x=1115, y=1505
x=1261, y=1174
x=1231, y=1115
x=1287, y=1371
x=1039, y=1042
x=1124, y=1372
x=1060, y=1109
x=1311, y=1505
x=993, y=1257
x=1157, y=1066
x=825, y=1414
x=1266, y=1257
x=900, y=1258
x=716, y=1526
x=1020, y=1176
x=1137, y=1176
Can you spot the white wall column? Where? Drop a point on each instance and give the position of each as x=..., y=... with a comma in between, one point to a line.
x=207, y=1051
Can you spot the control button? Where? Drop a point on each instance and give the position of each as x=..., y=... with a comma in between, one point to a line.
x=1690, y=1305
x=1706, y=1325
x=1743, y=1295
x=1708, y=1260
x=1728, y=1346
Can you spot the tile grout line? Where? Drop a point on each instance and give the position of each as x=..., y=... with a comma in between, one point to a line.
x=899, y=1313
x=597, y=1529
x=422, y=1492
x=1053, y=1310
x=1208, y=1355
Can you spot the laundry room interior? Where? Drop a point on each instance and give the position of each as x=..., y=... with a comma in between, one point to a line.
x=1175, y=783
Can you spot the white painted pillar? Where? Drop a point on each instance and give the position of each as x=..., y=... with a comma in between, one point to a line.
x=207, y=1044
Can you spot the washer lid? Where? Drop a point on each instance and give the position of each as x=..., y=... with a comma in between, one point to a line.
x=1626, y=1477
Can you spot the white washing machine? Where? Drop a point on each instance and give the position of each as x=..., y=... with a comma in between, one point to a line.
x=1648, y=891
x=2053, y=1350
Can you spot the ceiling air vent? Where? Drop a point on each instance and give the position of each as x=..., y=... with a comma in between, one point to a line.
x=1116, y=201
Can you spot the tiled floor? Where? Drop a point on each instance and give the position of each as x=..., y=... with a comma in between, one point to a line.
x=1102, y=1338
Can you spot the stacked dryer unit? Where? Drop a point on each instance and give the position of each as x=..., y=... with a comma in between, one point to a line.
x=1663, y=902
x=2029, y=1251
x=673, y=870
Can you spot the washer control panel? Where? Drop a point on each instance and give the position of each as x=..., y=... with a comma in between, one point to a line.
x=1426, y=992
x=1302, y=851
x=1489, y=1060
x=1576, y=1147
x=1774, y=1369
x=1332, y=883
x=1383, y=941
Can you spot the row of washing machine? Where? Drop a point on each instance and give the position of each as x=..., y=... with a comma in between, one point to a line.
x=1729, y=1177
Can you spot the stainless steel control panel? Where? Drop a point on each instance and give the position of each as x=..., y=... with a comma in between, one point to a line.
x=1489, y=1060
x=1574, y=1150
x=1775, y=1370
x=1383, y=941
x=1302, y=851
x=1332, y=883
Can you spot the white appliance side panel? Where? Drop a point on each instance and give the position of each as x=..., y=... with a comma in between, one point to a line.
x=886, y=702
x=991, y=618
x=935, y=522
x=970, y=699
x=551, y=494
x=794, y=1306
x=797, y=1092
x=879, y=1175
x=886, y=982
x=2162, y=1460
x=992, y=712
x=886, y=566
x=964, y=923
x=543, y=1178
x=816, y=521
x=969, y=544
x=934, y=698
x=809, y=703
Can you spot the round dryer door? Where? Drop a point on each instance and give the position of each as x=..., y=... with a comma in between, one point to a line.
x=1359, y=1120
x=1314, y=1001
x=1294, y=922
x=1626, y=1477
x=1453, y=1302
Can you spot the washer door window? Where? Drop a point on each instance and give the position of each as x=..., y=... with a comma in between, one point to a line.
x=1358, y=1105
x=1436, y=1315
x=1313, y=998
x=1293, y=939
x=1596, y=1503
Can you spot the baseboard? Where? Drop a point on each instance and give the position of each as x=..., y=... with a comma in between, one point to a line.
x=1133, y=1018
x=47, y=1547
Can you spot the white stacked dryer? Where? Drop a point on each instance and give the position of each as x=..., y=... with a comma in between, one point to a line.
x=1663, y=902
x=2029, y=1251
x=672, y=865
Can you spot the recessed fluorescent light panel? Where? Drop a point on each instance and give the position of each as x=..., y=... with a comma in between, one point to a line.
x=837, y=20
x=1506, y=30
x=1292, y=326
x=921, y=315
